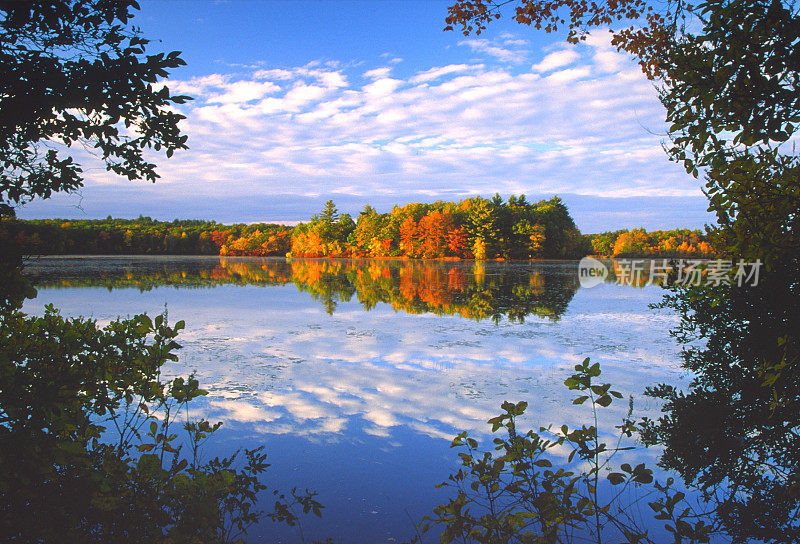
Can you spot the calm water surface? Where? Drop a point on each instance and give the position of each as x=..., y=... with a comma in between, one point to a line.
x=355, y=375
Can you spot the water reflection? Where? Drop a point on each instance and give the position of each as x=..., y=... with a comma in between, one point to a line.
x=283, y=362
x=474, y=290
x=345, y=398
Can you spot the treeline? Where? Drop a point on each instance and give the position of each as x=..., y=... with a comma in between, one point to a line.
x=474, y=228
x=657, y=243
x=144, y=236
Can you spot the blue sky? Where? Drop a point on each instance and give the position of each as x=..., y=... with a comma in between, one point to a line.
x=371, y=102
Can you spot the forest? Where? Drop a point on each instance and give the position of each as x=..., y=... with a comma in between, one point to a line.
x=657, y=243
x=474, y=228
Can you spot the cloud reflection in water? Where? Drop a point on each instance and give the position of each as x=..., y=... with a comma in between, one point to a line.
x=278, y=361
x=359, y=404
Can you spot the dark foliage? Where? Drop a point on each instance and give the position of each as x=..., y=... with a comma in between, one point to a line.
x=73, y=73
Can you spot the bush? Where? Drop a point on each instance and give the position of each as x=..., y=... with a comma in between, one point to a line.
x=524, y=492
x=89, y=439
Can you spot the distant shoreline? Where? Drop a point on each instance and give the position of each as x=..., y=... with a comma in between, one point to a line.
x=381, y=258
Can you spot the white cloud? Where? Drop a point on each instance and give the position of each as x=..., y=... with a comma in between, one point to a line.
x=510, y=39
x=302, y=94
x=333, y=79
x=585, y=122
x=195, y=86
x=244, y=412
x=276, y=73
x=504, y=50
x=382, y=87
x=570, y=74
x=565, y=57
x=441, y=71
x=605, y=57
x=377, y=73
x=243, y=91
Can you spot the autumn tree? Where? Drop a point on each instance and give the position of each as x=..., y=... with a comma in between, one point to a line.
x=529, y=239
x=458, y=243
x=637, y=26
x=368, y=236
x=482, y=227
x=409, y=241
x=326, y=235
x=434, y=229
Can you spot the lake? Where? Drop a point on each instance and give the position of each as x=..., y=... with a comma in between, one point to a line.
x=356, y=375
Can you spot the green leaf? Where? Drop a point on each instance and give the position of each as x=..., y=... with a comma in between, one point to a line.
x=604, y=401
x=616, y=478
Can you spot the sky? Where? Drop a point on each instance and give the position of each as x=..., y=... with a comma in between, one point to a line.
x=371, y=102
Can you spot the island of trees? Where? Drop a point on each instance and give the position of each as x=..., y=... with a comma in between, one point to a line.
x=474, y=228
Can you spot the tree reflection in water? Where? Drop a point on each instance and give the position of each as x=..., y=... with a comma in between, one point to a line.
x=735, y=432
x=473, y=290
